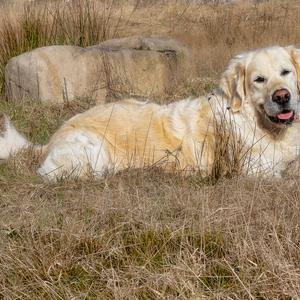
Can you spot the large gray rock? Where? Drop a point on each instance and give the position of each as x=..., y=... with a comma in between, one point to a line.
x=141, y=66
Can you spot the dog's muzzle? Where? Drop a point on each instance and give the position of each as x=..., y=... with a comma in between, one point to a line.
x=285, y=115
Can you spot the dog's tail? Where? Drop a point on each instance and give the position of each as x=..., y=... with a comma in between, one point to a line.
x=11, y=141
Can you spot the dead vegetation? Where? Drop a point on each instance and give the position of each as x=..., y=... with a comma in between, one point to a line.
x=144, y=234
x=214, y=32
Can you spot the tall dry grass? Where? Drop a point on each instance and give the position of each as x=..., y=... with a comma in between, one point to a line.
x=145, y=234
x=148, y=235
x=80, y=23
x=215, y=32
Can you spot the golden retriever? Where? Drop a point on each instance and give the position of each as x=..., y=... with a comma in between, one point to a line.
x=258, y=95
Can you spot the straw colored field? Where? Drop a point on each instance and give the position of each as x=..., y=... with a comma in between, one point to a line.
x=142, y=234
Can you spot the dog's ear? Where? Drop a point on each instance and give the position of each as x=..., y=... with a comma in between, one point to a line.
x=295, y=58
x=232, y=83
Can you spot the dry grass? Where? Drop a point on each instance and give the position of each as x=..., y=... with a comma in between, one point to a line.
x=145, y=234
x=214, y=32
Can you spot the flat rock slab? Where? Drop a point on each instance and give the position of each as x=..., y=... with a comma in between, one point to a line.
x=141, y=66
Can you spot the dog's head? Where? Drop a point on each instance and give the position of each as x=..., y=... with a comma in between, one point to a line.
x=269, y=80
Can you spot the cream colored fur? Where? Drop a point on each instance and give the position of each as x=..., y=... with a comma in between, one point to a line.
x=181, y=135
x=11, y=141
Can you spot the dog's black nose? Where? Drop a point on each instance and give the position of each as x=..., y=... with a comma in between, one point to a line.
x=281, y=96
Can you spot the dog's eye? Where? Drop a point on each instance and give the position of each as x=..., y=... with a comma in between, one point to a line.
x=260, y=79
x=285, y=72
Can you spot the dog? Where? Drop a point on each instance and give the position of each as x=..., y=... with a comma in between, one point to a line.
x=258, y=95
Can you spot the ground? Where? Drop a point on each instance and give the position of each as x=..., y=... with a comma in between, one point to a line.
x=143, y=234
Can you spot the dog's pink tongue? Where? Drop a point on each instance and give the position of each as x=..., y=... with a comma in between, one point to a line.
x=285, y=116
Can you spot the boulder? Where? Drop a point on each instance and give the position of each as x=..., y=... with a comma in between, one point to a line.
x=140, y=66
